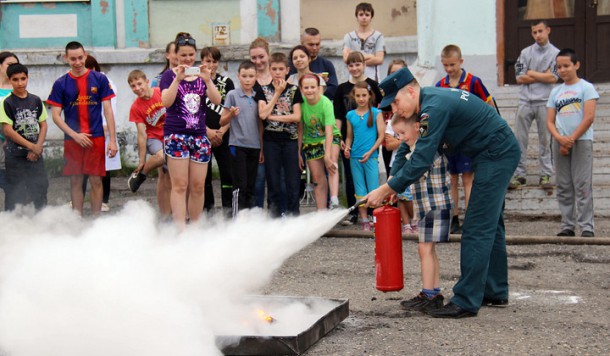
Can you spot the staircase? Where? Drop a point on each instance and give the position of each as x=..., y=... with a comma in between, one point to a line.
x=531, y=200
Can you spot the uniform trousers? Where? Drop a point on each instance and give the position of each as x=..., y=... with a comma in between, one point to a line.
x=483, y=264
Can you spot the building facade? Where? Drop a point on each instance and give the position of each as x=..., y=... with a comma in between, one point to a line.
x=128, y=34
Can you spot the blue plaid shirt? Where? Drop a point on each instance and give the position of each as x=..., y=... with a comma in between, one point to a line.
x=432, y=191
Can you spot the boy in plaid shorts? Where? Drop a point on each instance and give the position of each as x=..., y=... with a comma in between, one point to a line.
x=433, y=206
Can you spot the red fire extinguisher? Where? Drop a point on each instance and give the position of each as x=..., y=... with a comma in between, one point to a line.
x=388, y=249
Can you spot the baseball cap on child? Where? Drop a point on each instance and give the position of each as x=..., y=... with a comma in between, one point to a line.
x=392, y=84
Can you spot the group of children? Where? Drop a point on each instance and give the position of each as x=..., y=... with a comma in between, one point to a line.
x=284, y=122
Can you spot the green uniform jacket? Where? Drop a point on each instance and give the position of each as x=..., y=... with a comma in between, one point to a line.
x=453, y=117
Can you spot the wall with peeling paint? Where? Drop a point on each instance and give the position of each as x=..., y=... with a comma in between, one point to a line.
x=93, y=23
x=392, y=17
x=196, y=17
x=268, y=16
x=103, y=24
x=136, y=24
x=10, y=28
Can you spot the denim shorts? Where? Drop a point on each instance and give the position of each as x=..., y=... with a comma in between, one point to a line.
x=458, y=163
x=197, y=148
x=406, y=195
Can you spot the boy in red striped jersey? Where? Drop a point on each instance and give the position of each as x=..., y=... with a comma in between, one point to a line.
x=81, y=94
x=459, y=78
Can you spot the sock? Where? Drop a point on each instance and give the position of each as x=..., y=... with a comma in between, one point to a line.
x=334, y=200
x=437, y=290
x=429, y=293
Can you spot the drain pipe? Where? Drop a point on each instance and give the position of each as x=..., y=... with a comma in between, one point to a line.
x=510, y=240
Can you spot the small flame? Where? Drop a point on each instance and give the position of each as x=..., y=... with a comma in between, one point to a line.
x=266, y=317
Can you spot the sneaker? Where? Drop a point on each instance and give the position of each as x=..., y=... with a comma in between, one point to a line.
x=517, y=182
x=545, y=182
x=406, y=229
x=414, y=303
x=105, y=208
x=455, y=225
x=587, y=234
x=435, y=303
x=421, y=303
x=135, y=181
x=414, y=228
x=566, y=232
x=366, y=226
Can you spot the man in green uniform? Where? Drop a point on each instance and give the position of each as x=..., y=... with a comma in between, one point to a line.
x=458, y=121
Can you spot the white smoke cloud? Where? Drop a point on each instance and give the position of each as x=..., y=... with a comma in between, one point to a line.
x=123, y=285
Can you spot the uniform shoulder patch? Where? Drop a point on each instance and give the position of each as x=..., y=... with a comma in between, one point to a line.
x=423, y=124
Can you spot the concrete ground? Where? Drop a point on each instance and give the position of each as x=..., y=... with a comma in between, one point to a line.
x=559, y=301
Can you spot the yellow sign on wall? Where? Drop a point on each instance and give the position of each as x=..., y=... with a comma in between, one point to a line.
x=221, y=33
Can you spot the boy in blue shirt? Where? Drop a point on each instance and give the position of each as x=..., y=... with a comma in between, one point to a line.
x=570, y=115
x=245, y=142
x=23, y=117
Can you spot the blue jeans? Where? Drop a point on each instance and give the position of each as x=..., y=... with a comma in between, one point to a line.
x=283, y=189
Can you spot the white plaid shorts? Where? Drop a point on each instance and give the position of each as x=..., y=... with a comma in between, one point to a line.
x=434, y=227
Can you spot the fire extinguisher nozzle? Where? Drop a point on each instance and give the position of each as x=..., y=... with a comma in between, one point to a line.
x=355, y=206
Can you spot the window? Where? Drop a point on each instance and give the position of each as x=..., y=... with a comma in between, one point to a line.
x=545, y=9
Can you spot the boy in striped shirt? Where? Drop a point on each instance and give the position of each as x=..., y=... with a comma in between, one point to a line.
x=80, y=94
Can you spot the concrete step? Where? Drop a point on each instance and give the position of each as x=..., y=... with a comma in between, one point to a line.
x=513, y=90
x=532, y=200
x=510, y=113
x=512, y=101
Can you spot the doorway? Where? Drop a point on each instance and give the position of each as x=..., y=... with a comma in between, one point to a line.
x=583, y=25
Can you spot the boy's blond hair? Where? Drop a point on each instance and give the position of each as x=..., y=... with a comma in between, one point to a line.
x=135, y=75
x=278, y=57
x=397, y=118
x=450, y=51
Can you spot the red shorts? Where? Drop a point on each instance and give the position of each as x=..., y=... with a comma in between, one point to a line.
x=79, y=160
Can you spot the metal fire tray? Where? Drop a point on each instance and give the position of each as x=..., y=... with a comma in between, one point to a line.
x=283, y=344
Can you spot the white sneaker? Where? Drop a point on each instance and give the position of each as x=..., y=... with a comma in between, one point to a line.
x=105, y=207
x=414, y=229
